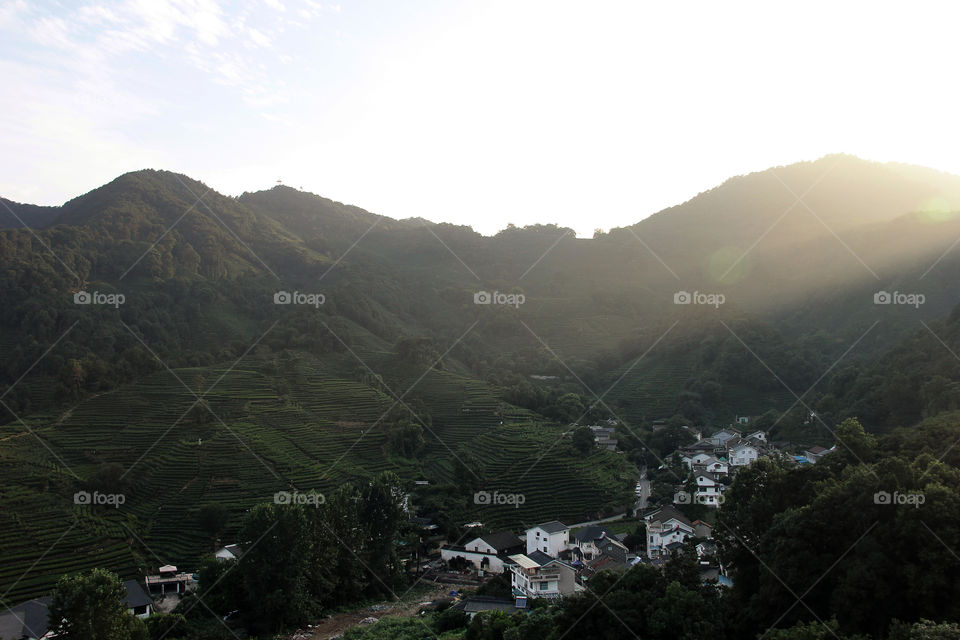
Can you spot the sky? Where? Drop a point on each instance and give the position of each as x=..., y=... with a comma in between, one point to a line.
x=587, y=115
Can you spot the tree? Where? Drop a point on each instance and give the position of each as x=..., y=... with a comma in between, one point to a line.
x=570, y=407
x=582, y=439
x=90, y=606
x=108, y=478
x=406, y=438
x=166, y=625
x=213, y=519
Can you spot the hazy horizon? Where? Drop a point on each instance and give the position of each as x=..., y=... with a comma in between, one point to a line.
x=484, y=230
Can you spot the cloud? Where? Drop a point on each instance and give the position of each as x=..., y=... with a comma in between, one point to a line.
x=258, y=38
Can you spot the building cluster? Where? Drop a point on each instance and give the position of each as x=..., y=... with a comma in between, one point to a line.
x=712, y=460
x=547, y=561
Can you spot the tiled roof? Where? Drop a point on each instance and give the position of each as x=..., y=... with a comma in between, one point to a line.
x=554, y=526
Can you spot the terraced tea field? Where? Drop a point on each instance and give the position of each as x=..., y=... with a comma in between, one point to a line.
x=315, y=426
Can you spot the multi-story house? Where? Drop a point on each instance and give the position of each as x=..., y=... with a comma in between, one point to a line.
x=537, y=575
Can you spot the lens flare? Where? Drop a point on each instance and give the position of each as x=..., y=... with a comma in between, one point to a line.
x=936, y=209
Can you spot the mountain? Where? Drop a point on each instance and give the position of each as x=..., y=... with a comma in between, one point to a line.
x=14, y=215
x=202, y=388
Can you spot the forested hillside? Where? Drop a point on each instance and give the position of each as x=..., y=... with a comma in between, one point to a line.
x=192, y=385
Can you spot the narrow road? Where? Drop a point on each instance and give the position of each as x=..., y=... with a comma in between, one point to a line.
x=640, y=505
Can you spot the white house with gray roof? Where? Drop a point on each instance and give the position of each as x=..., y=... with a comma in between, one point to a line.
x=550, y=538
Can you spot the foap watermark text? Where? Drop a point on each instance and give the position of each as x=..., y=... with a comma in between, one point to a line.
x=298, y=297
x=699, y=297
x=898, y=297
x=912, y=498
x=296, y=497
x=98, y=297
x=497, y=498
x=96, y=498
x=509, y=299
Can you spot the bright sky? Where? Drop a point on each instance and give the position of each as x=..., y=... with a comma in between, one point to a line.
x=586, y=114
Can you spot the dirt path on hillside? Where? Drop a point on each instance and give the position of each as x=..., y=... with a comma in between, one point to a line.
x=336, y=624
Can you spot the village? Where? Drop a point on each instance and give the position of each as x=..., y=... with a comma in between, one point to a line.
x=549, y=560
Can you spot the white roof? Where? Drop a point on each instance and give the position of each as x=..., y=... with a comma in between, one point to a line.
x=168, y=568
x=524, y=561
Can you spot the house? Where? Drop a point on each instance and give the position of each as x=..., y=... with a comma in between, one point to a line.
x=813, y=454
x=537, y=575
x=743, y=419
x=587, y=541
x=229, y=552
x=472, y=605
x=709, y=489
x=706, y=548
x=666, y=526
x=30, y=620
x=612, y=555
x=702, y=462
x=26, y=620
x=138, y=602
x=717, y=466
x=702, y=530
x=760, y=436
x=169, y=580
x=721, y=437
x=604, y=437
x=487, y=553
x=698, y=459
x=550, y=538
x=743, y=454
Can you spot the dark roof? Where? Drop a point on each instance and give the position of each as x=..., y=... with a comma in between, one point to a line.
x=554, y=526
x=593, y=532
x=475, y=604
x=136, y=596
x=817, y=449
x=609, y=563
x=27, y=619
x=666, y=512
x=540, y=557
x=502, y=540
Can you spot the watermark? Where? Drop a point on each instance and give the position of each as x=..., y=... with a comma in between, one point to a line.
x=497, y=498
x=296, y=497
x=511, y=299
x=685, y=497
x=97, y=297
x=96, y=498
x=699, y=297
x=914, y=498
x=897, y=297
x=298, y=297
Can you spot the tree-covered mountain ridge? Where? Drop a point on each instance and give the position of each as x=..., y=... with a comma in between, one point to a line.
x=200, y=386
x=799, y=249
